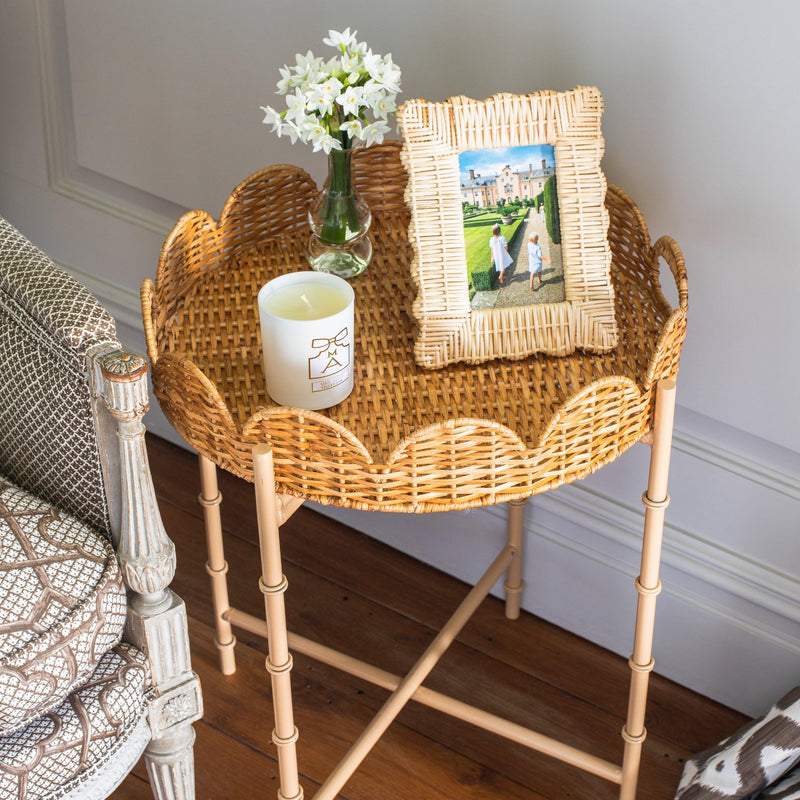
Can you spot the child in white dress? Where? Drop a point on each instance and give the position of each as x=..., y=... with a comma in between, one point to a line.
x=499, y=250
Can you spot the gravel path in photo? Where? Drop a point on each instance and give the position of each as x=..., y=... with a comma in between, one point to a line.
x=515, y=291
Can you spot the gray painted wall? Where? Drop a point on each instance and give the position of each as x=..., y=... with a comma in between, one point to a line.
x=118, y=116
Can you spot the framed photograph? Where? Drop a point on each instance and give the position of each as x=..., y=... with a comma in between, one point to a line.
x=509, y=226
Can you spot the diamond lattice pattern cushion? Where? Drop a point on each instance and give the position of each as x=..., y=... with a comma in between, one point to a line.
x=99, y=727
x=63, y=605
x=48, y=324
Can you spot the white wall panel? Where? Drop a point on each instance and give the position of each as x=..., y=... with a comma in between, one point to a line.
x=21, y=133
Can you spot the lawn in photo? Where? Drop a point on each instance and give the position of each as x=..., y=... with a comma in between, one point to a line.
x=512, y=232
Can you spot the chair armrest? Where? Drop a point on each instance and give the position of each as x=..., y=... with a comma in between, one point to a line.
x=156, y=621
x=146, y=553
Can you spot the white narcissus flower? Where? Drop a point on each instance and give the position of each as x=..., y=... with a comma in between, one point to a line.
x=373, y=133
x=341, y=40
x=351, y=100
x=304, y=63
x=384, y=107
x=326, y=143
x=373, y=64
x=351, y=67
x=311, y=129
x=352, y=128
x=359, y=48
x=285, y=83
x=372, y=92
x=309, y=71
x=390, y=75
x=296, y=106
x=291, y=130
x=319, y=102
x=331, y=87
x=272, y=117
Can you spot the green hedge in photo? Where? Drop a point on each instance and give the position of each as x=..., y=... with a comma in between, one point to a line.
x=483, y=279
x=551, y=210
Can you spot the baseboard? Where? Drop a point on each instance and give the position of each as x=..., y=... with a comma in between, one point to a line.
x=685, y=552
x=722, y=618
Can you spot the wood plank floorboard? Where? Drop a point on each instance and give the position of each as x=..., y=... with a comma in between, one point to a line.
x=358, y=595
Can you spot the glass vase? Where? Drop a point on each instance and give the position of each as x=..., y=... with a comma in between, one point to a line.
x=339, y=219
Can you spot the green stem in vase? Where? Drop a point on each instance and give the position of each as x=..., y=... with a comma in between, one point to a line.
x=338, y=213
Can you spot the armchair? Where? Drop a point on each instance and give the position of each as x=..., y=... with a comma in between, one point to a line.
x=94, y=652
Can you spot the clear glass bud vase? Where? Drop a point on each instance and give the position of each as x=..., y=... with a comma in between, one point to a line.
x=340, y=220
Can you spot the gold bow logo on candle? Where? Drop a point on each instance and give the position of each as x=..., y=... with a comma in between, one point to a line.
x=331, y=356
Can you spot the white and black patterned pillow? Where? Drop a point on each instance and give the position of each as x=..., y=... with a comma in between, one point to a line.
x=756, y=758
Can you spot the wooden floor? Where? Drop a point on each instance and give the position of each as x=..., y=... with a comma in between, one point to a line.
x=360, y=596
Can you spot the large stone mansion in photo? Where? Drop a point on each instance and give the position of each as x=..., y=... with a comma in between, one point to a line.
x=508, y=184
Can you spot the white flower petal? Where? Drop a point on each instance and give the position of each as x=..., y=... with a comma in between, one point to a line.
x=341, y=40
x=373, y=134
x=352, y=128
x=272, y=117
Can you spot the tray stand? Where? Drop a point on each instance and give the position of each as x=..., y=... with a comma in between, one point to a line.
x=279, y=661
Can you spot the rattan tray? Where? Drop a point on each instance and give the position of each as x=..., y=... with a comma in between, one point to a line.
x=407, y=439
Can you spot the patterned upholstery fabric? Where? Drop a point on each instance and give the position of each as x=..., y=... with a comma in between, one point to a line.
x=787, y=788
x=755, y=762
x=63, y=605
x=65, y=748
x=48, y=322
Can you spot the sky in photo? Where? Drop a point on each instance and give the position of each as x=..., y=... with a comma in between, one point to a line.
x=487, y=163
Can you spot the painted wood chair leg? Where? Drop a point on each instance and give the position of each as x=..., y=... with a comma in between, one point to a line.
x=279, y=661
x=514, y=584
x=648, y=586
x=216, y=566
x=170, y=765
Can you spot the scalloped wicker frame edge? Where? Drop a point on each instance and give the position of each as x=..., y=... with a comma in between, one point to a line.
x=447, y=330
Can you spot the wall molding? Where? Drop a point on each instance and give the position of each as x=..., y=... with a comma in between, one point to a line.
x=737, y=463
x=685, y=552
x=739, y=585
x=66, y=176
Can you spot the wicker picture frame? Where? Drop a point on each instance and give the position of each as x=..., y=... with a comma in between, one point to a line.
x=447, y=329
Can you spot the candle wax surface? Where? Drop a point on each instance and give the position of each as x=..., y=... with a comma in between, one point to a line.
x=305, y=301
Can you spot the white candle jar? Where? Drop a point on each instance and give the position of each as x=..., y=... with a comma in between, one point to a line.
x=307, y=339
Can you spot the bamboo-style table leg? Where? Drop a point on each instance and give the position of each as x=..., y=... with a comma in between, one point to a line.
x=279, y=661
x=514, y=584
x=648, y=586
x=216, y=566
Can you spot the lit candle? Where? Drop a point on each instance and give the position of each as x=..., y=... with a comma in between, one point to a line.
x=307, y=339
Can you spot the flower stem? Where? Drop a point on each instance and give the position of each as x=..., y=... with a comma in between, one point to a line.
x=338, y=213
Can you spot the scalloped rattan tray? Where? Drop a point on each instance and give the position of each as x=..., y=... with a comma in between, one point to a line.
x=407, y=439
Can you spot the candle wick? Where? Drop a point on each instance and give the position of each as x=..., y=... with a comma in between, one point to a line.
x=306, y=301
